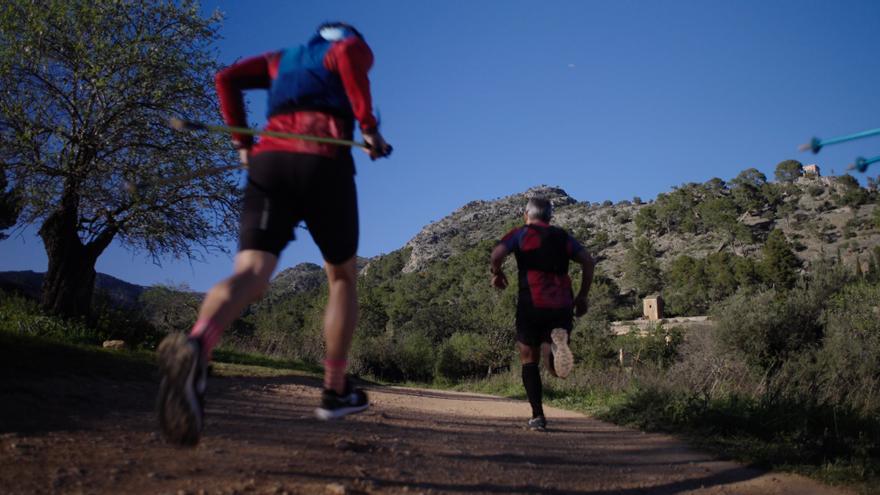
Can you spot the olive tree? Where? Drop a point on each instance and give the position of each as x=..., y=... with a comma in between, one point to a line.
x=86, y=87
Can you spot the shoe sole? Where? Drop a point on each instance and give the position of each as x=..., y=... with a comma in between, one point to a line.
x=328, y=414
x=563, y=359
x=178, y=407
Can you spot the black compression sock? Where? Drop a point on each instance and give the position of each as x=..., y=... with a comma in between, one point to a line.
x=531, y=377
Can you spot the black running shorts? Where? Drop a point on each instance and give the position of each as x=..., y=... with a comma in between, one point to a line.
x=285, y=188
x=533, y=326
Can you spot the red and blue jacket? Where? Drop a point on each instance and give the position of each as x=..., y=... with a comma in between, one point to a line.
x=319, y=89
x=542, y=255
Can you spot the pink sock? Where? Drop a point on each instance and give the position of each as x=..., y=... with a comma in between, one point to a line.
x=334, y=374
x=209, y=332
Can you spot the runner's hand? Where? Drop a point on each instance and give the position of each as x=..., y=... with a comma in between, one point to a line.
x=499, y=281
x=243, y=155
x=378, y=147
x=580, y=306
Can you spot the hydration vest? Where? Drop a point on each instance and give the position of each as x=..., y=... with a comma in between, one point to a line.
x=303, y=83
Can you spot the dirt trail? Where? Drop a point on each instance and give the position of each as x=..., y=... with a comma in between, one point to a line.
x=74, y=435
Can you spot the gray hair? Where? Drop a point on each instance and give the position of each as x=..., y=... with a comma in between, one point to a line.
x=539, y=209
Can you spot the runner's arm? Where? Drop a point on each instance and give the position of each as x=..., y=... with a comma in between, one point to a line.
x=352, y=59
x=250, y=73
x=583, y=258
x=499, y=254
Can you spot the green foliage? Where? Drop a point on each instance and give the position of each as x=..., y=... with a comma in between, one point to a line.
x=374, y=356
x=463, y=356
x=692, y=285
x=25, y=317
x=853, y=193
x=850, y=354
x=709, y=207
x=746, y=190
x=592, y=342
x=657, y=349
x=676, y=211
x=640, y=268
x=720, y=215
x=88, y=87
x=414, y=356
x=768, y=327
x=788, y=171
x=647, y=222
x=779, y=264
x=170, y=308
x=685, y=290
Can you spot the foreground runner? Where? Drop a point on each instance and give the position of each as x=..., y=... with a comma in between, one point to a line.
x=545, y=302
x=317, y=89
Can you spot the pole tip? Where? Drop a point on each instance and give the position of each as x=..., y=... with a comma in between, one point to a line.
x=815, y=145
x=861, y=164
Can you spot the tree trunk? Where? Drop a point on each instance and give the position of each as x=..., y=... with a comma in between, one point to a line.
x=70, y=278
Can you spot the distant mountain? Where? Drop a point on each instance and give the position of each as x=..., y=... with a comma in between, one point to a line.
x=300, y=278
x=28, y=283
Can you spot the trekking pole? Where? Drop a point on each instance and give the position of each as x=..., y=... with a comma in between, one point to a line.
x=816, y=144
x=861, y=163
x=133, y=188
x=188, y=125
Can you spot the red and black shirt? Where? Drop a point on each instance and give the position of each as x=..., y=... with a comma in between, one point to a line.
x=542, y=255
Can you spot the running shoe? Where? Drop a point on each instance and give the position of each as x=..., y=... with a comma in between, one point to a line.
x=563, y=359
x=334, y=406
x=538, y=423
x=181, y=401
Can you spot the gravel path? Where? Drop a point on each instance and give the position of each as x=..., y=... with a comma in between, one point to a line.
x=69, y=435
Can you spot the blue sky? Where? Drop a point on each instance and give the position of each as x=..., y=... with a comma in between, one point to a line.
x=608, y=100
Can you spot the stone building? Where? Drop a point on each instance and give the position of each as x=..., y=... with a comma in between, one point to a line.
x=653, y=307
x=812, y=170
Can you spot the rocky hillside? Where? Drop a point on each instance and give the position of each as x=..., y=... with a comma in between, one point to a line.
x=810, y=213
x=475, y=222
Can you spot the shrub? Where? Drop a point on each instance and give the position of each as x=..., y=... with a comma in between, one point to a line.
x=414, y=356
x=850, y=354
x=707, y=367
x=769, y=326
x=656, y=350
x=21, y=315
x=463, y=356
x=591, y=342
x=374, y=356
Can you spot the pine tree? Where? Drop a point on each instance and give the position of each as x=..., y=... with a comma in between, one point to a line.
x=779, y=265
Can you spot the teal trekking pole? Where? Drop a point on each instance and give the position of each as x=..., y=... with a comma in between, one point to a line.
x=815, y=145
x=861, y=164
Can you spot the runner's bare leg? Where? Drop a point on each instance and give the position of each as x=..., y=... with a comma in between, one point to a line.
x=340, y=319
x=226, y=300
